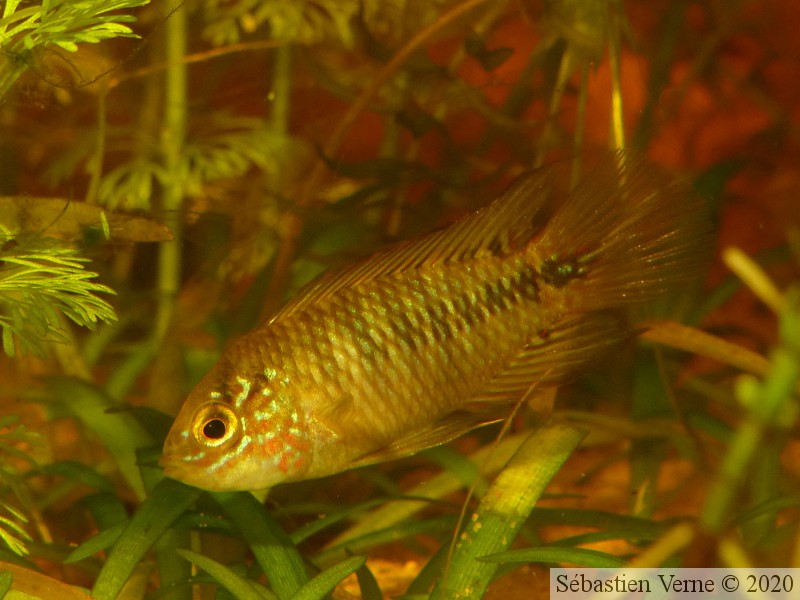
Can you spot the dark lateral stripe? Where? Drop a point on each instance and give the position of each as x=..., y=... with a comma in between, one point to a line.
x=404, y=328
x=495, y=297
x=437, y=317
x=525, y=284
x=430, y=314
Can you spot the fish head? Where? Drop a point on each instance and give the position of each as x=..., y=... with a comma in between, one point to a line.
x=235, y=436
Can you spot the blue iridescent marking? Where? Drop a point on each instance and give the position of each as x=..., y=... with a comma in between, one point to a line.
x=222, y=461
x=243, y=443
x=242, y=396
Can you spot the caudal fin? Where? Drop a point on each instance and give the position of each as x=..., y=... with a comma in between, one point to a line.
x=627, y=233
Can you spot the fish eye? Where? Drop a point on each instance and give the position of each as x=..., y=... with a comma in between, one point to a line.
x=215, y=424
x=215, y=429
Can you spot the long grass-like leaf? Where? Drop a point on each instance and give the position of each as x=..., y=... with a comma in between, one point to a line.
x=554, y=554
x=240, y=587
x=319, y=587
x=389, y=534
x=80, y=473
x=166, y=503
x=368, y=585
x=503, y=510
x=489, y=460
x=271, y=546
x=311, y=528
x=120, y=432
x=103, y=540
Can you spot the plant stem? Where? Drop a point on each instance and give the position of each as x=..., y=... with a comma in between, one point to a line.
x=614, y=54
x=174, y=135
x=767, y=403
x=169, y=267
x=580, y=127
x=564, y=72
x=281, y=94
x=279, y=97
x=95, y=163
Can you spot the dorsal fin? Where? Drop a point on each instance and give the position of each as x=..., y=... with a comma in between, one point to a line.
x=505, y=225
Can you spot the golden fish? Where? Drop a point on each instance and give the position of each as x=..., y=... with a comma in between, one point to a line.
x=422, y=342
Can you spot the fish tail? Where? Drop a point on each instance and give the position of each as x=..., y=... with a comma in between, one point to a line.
x=627, y=233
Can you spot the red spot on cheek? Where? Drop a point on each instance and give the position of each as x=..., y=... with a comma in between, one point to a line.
x=295, y=448
x=283, y=463
x=289, y=449
x=298, y=444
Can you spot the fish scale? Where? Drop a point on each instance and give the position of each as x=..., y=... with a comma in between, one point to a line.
x=430, y=338
x=494, y=320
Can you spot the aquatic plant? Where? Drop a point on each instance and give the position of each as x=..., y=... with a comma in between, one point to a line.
x=204, y=160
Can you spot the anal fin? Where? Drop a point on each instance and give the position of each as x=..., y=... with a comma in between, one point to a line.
x=440, y=432
x=554, y=357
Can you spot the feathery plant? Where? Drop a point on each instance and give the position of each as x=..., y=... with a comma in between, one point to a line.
x=14, y=441
x=26, y=30
x=277, y=139
x=40, y=280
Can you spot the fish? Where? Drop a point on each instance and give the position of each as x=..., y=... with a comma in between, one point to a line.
x=430, y=338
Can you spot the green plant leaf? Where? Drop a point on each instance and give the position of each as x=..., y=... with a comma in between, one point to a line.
x=102, y=541
x=241, y=588
x=273, y=549
x=15, y=443
x=489, y=460
x=321, y=585
x=120, y=432
x=334, y=516
x=504, y=508
x=63, y=22
x=40, y=277
x=168, y=500
x=81, y=473
x=393, y=533
x=368, y=585
x=554, y=554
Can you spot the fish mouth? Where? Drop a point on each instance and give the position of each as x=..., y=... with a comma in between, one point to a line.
x=169, y=467
x=172, y=466
x=177, y=468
